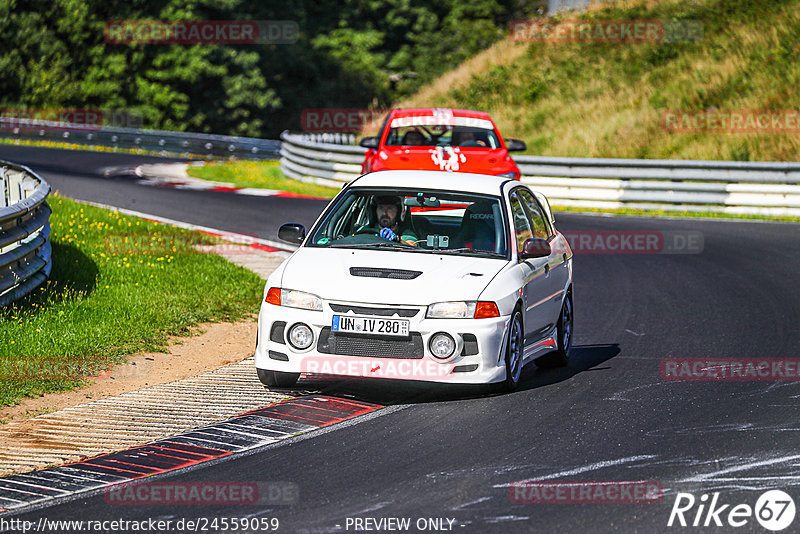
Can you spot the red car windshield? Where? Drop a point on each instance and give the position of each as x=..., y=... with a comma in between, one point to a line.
x=442, y=130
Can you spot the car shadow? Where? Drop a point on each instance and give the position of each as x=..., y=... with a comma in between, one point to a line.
x=581, y=358
x=388, y=392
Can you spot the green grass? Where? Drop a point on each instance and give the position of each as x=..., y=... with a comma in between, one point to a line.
x=119, y=285
x=260, y=174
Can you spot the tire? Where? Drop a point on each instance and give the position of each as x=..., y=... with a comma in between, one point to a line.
x=564, y=330
x=513, y=353
x=276, y=379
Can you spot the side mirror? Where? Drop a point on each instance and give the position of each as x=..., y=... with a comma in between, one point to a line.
x=292, y=233
x=369, y=142
x=515, y=145
x=534, y=248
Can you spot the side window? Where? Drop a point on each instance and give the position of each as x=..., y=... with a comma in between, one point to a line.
x=522, y=227
x=342, y=221
x=540, y=227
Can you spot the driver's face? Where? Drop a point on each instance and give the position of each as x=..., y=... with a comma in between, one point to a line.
x=387, y=215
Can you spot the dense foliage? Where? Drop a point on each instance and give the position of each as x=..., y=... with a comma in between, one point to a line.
x=355, y=53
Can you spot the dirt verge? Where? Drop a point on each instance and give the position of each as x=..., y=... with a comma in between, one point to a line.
x=218, y=345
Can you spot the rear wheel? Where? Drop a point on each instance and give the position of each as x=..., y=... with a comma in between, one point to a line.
x=276, y=379
x=560, y=356
x=513, y=354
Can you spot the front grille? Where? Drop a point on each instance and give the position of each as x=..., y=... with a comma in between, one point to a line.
x=373, y=272
x=370, y=346
x=382, y=312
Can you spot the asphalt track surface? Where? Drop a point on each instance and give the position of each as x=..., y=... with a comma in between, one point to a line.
x=608, y=416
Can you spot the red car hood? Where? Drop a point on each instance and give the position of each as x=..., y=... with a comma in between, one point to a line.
x=456, y=159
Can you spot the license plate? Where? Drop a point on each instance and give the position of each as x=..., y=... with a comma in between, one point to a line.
x=370, y=325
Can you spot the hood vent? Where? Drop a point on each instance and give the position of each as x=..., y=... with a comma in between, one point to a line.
x=376, y=272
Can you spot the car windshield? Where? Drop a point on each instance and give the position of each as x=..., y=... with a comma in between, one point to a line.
x=442, y=135
x=423, y=221
x=444, y=130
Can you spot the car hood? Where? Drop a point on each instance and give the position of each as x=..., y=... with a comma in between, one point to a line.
x=474, y=160
x=326, y=273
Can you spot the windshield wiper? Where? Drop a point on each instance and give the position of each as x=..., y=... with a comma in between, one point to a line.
x=472, y=251
x=388, y=244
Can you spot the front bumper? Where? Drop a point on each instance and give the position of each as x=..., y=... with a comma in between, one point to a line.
x=476, y=359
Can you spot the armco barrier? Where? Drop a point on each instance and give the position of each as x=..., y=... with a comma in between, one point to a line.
x=762, y=188
x=322, y=163
x=181, y=143
x=25, y=258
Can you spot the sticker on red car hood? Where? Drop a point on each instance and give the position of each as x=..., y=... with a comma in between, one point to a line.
x=447, y=158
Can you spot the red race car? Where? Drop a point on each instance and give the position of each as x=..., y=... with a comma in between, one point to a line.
x=435, y=139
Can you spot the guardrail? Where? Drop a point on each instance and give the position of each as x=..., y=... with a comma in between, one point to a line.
x=761, y=188
x=163, y=142
x=328, y=164
x=25, y=254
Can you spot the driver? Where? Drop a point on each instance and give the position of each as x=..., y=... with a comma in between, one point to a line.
x=467, y=138
x=387, y=213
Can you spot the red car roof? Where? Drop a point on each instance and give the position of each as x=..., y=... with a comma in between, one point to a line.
x=416, y=112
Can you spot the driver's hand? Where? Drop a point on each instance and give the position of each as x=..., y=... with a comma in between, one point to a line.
x=387, y=233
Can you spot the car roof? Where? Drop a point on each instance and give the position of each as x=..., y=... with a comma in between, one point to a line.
x=461, y=182
x=410, y=112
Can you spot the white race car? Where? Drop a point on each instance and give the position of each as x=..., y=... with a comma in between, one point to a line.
x=420, y=275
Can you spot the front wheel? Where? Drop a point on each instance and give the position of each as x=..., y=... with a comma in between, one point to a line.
x=560, y=357
x=513, y=354
x=276, y=379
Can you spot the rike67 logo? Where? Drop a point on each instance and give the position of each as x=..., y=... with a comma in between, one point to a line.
x=774, y=510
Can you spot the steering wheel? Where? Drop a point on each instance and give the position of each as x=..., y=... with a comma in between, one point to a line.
x=366, y=230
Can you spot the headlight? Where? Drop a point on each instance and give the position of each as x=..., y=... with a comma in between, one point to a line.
x=300, y=299
x=451, y=310
x=512, y=175
x=442, y=345
x=300, y=336
x=463, y=310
